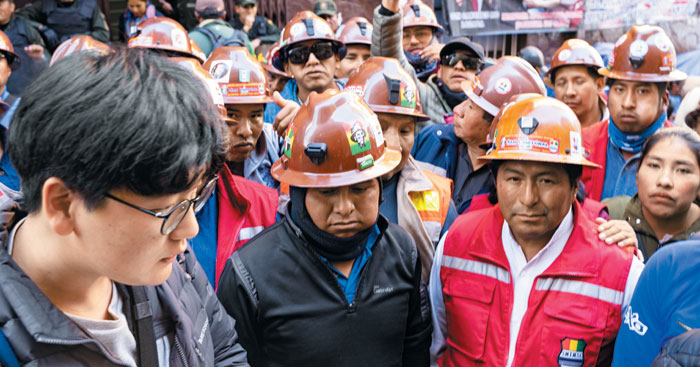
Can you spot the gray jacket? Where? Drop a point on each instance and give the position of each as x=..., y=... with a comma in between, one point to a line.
x=387, y=41
x=184, y=306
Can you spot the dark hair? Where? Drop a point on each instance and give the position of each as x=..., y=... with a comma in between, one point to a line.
x=592, y=72
x=689, y=136
x=487, y=117
x=130, y=119
x=572, y=170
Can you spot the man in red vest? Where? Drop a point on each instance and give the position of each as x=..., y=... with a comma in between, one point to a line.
x=641, y=66
x=527, y=282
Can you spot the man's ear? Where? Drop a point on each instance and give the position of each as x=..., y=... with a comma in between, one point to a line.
x=600, y=83
x=287, y=67
x=56, y=202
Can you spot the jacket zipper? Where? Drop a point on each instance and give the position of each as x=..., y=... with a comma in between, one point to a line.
x=45, y=340
x=180, y=351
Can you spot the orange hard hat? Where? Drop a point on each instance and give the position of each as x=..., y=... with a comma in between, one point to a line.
x=165, y=34
x=240, y=77
x=14, y=61
x=573, y=52
x=212, y=87
x=532, y=127
x=644, y=54
x=304, y=26
x=417, y=14
x=386, y=87
x=356, y=31
x=78, y=43
x=334, y=140
x=496, y=84
x=267, y=62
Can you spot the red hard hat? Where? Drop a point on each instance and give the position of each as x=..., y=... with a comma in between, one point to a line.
x=644, y=54
x=78, y=43
x=532, y=127
x=161, y=33
x=574, y=52
x=240, y=77
x=6, y=46
x=496, y=84
x=304, y=26
x=334, y=140
x=357, y=31
x=386, y=87
x=416, y=14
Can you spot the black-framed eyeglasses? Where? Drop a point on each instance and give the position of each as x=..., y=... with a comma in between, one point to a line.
x=300, y=55
x=173, y=217
x=469, y=62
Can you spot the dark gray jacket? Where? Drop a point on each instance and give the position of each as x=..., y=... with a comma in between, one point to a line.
x=41, y=335
x=681, y=351
x=387, y=41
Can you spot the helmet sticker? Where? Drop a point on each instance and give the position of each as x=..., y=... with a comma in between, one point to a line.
x=179, y=39
x=355, y=88
x=564, y=55
x=408, y=96
x=366, y=162
x=662, y=42
x=378, y=133
x=358, y=139
x=243, y=89
x=638, y=48
x=575, y=141
x=554, y=146
x=538, y=144
x=503, y=86
x=297, y=28
x=220, y=70
x=288, y=141
x=243, y=76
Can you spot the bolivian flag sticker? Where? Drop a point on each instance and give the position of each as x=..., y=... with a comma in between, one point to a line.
x=571, y=354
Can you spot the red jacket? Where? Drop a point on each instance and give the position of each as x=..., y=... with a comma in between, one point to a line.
x=574, y=309
x=595, y=142
x=257, y=210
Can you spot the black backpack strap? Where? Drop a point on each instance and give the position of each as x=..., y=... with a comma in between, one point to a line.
x=143, y=326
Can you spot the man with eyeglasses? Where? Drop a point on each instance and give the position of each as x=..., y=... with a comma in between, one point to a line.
x=421, y=33
x=309, y=54
x=90, y=275
x=460, y=60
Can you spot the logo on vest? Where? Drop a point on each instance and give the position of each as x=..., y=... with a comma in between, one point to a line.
x=381, y=290
x=571, y=354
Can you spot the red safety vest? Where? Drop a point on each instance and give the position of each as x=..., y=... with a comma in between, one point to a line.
x=574, y=309
x=257, y=210
x=595, y=142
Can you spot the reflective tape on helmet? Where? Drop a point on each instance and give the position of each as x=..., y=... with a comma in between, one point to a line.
x=476, y=267
x=580, y=288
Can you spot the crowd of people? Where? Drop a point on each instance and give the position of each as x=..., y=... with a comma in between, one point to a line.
x=215, y=191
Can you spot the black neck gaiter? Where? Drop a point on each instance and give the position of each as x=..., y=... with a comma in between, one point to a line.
x=327, y=245
x=452, y=98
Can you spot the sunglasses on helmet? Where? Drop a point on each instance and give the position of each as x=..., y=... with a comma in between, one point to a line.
x=300, y=55
x=470, y=62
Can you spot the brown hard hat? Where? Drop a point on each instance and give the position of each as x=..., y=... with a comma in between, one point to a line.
x=574, y=52
x=267, y=62
x=6, y=47
x=495, y=85
x=532, y=127
x=78, y=43
x=644, y=54
x=334, y=140
x=386, y=87
x=356, y=31
x=240, y=77
x=161, y=33
x=416, y=13
x=212, y=87
x=304, y=26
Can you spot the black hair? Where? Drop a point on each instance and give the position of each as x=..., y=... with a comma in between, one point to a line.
x=126, y=120
x=574, y=172
x=592, y=72
x=688, y=136
x=487, y=117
